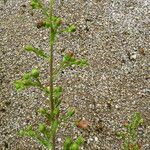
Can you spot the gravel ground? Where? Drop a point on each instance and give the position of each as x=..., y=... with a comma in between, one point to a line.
x=113, y=35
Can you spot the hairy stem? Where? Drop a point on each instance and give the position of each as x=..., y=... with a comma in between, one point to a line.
x=52, y=35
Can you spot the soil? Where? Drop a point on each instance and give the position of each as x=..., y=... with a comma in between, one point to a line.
x=113, y=35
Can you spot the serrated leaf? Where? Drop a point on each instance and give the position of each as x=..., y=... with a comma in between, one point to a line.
x=70, y=60
x=70, y=29
x=37, y=51
x=81, y=63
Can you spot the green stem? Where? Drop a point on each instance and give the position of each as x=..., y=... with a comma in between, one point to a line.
x=52, y=36
x=51, y=73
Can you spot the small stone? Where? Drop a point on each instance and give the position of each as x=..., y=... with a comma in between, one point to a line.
x=59, y=139
x=96, y=139
x=44, y=38
x=116, y=106
x=133, y=102
x=91, y=106
x=133, y=56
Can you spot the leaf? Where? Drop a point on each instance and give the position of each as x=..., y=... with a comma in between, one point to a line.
x=121, y=135
x=46, y=143
x=81, y=62
x=28, y=131
x=21, y=133
x=57, y=21
x=70, y=60
x=45, y=113
x=36, y=4
x=70, y=29
x=56, y=112
x=54, y=127
x=136, y=120
x=57, y=95
x=53, y=22
x=79, y=140
x=67, y=143
x=70, y=113
x=27, y=83
x=83, y=124
x=19, y=85
x=57, y=92
x=37, y=51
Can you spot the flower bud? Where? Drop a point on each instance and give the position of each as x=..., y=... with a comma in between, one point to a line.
x=35, y=73
x=42, y=127
x=26, y=76
x=74, y=147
